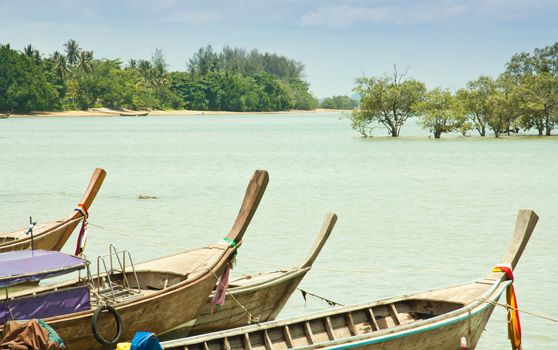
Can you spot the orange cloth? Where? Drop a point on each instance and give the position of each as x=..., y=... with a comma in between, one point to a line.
x=514, y=324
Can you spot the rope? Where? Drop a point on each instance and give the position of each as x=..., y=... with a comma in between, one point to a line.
x=510, y=308
x=134, y=236
x=250, y=261
x=250, y=317
x=329, y=302
x=259, y=262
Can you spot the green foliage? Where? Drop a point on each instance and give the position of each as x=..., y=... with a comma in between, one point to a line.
x=23, y=85
x=388, y=101
x=261, y=82
x=491, y=103
x=440, y=112
x=232, y=80
x=535, y=77
x=339, y=102
x=473, y=101
x=524, y=96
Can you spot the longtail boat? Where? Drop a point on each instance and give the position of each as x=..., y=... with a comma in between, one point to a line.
x=134, y=114
x=443, y=319
x=53, y=235
x=121, y=299
x=259, y=297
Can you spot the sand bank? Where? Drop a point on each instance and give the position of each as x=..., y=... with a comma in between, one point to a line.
x=105, y=112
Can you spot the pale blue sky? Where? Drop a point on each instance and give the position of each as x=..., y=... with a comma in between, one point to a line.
x=441, y=42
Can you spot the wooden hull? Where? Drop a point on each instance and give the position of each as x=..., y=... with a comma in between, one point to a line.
x=444, y=334
x=259, y=297
x=261, y=302
x=134, y=114
x=436, y=319
x=167, y=293
x=158, y=313
x=430, y=320
x=53, y=235
x=447, y=337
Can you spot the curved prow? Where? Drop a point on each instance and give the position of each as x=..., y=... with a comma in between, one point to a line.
x=524, y=226
x=254, y=194
x=329, y=222
x=94, y=185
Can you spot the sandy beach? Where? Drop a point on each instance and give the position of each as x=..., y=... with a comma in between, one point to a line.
x=105, y=112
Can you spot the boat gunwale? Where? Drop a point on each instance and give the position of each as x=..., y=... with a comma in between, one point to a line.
x=250, y=202
x=285, y=275
x=57, y=224
x=497, y=279
x=419, y=326
x=345, y=309
x=93, y=187
x=156, y=294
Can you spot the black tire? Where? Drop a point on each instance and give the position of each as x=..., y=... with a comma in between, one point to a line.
x=95, y=330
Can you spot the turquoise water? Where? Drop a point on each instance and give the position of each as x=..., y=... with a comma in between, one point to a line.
x=414, y=213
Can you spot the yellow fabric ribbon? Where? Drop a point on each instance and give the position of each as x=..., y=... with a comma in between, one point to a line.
x=514, y=323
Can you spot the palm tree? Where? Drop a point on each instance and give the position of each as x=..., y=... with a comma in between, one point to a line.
x=31, y=53
x=59, y=63
x=145, y=67
x=85, y=62
x=28, y=51
x=115, y=64
x=132, y=63
x=72, y=51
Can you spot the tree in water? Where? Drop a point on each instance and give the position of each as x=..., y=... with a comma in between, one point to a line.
x=440, y=112
x=536, y=75
x=473, y=100
x=388, y=101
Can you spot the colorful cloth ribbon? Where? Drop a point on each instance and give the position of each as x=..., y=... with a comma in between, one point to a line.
x=82, y=236
x=223, y=282
x=221, y=290
x=514, y=324
x=231, y=243
x=82, y=209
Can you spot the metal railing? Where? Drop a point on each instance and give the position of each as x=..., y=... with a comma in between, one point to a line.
x=113, y=282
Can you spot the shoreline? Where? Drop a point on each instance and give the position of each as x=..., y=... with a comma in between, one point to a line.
x=105, y=112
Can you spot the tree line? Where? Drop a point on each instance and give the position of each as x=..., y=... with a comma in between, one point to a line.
x=232, y=80
x=523, y=97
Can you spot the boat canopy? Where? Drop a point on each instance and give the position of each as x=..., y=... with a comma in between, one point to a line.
x=34, y=265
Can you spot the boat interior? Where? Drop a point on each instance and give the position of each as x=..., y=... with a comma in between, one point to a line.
x=118, y=280
x=37, y=230
x=335, y=326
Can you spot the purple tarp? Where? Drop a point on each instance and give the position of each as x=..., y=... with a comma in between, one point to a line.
x=34, y=265
x=55, y=303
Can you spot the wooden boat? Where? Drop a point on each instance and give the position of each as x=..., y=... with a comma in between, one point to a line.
x=157, y=295
x=134, y=114
x=436, y=319
x=53, y=235
x=259, y=297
